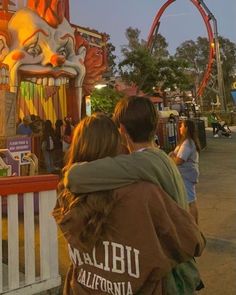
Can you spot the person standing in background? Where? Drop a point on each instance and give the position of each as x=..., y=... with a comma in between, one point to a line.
x=67, y=134
x=24, y=127
x=186, y=157
x=58, y=154
x=47, y=146
x=215, y=124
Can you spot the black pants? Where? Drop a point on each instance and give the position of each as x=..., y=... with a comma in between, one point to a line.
x=216, y=127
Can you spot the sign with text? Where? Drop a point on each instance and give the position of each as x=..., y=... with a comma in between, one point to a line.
x=19, y=147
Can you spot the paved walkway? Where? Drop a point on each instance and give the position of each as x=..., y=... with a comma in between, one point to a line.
x=217, y=207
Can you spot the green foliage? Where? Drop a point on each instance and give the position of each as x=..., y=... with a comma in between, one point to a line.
x=149, y=70
x=159, y=49
x=139, y=68
x=111, y=60
x=146, y=71
x=171, y=74
x=228, y=59
x=132, y=36
x=105, y=100
x=196, y=53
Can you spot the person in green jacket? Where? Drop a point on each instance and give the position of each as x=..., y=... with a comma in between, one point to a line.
x=213, y=119
x=136, y=118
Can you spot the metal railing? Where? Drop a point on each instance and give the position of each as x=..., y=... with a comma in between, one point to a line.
x=28, y=235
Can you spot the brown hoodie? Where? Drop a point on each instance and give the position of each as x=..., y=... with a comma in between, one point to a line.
x=150, y=235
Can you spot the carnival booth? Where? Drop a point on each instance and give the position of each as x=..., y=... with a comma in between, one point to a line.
x=48, y=67
x=47, y=62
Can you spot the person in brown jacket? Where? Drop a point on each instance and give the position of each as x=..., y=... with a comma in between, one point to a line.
x=122, y=241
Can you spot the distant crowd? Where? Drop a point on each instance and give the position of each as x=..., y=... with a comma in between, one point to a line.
x=54, y=140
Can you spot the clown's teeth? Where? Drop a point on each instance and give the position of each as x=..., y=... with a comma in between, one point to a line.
x=13, y=89
x=39, y=81
x=51, y=82
x=45, y=81
x=48, y=81
x=58, y=82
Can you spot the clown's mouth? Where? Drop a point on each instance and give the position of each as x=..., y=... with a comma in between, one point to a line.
x=47, y=81
x=48, y=78
x=45, y=76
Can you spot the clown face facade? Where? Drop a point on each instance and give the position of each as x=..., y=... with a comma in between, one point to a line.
x=41, y=53
x=42, y=64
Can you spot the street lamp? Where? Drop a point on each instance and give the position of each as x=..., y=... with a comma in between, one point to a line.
x=100, y=86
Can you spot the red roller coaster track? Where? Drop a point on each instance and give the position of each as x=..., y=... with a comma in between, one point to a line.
x=206, y=19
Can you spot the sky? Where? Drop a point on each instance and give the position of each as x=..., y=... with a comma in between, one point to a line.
x=181, y=21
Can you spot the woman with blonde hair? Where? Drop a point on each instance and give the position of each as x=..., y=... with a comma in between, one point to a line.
x=186, y=157
x=121, y=241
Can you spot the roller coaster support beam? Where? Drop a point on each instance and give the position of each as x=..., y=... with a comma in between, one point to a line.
x=220, y=78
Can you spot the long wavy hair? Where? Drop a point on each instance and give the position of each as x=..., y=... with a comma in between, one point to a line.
x=190, y=133
x=94, y=137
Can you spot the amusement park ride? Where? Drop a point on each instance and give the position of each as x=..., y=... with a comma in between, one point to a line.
x=214, y=51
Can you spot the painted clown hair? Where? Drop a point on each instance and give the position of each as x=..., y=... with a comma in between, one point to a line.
x=52, y=11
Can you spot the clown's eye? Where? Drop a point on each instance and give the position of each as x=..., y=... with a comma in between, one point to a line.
x=62, y=51
x=34, y=50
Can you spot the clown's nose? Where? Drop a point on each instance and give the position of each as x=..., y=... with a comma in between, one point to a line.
x=57, y=60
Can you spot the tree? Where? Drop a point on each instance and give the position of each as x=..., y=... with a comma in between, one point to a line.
x=147, y=71
x=159, y=49
x=134, y=43
x=104, y=100
x=196, y=54
x=228, y=59
x=139, y=68
x=160, y=46
x=172, y=74
x=110, y=60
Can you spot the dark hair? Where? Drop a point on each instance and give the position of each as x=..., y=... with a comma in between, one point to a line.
x=139, y=117
x=58, y=135
x=58, y=123
x=191, y=133
x=32, y=117
x=48, y=130
x=68, y=128
x=94, y=137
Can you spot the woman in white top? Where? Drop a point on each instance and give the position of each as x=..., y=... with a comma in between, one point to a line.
x=186, y=157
